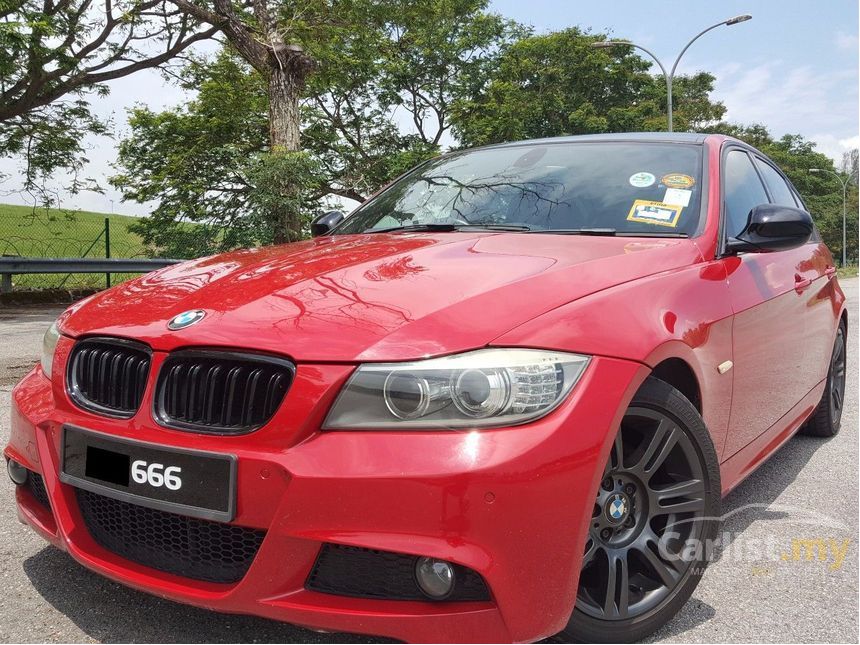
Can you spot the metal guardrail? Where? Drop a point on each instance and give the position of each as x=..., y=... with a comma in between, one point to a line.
x=10, y=266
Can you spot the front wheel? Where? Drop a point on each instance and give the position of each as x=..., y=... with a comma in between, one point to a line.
x=654, y=521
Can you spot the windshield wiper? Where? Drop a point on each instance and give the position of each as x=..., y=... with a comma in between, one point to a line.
x=595, y=231
x=607, y=232
x=579, y=231
x=448, y=228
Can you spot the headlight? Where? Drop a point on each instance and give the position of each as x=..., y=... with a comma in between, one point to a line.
x=49, y=344
x=488, y=387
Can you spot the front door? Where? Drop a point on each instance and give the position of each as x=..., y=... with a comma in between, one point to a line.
x=771, y=298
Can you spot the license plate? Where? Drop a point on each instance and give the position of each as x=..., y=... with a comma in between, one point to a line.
x=188, y=482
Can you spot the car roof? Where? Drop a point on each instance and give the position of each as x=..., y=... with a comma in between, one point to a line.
x=649, y=137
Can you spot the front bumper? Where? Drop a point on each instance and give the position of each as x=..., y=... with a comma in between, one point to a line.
x=512, y=504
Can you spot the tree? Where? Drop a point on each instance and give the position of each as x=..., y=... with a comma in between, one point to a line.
x=273, y=39
x=557, y=84
x=254, y=30
x=210, y=161
x=193, y=161
x=285, y=42
x=385, y=105
x=437, y=52
x=56, y=53
x=848, y=167
x=850, y=162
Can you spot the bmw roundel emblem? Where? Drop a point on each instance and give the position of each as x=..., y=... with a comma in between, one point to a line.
x=186, y=319
x=617, y=507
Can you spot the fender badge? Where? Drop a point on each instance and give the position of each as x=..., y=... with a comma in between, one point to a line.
x=186, y=319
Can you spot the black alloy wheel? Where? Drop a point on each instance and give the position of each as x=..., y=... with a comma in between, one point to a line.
x=653, y=522
x=650, y=502
x=827, y=417
x=837, y=377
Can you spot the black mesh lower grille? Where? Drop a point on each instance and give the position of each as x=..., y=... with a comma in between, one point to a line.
x=176, y=544
x=367, y=573
x=37, y=487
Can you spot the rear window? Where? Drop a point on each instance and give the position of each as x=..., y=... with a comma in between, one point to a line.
x=629, y=187
x=779, y=189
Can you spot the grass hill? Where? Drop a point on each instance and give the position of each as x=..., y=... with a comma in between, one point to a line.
x=64, y=233
x=57, y=233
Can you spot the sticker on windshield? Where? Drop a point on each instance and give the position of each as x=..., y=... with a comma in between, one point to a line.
x=677, y=197
x=642, y=179
x=677, y=180
x=657, y=213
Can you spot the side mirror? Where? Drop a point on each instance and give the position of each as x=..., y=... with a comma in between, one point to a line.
x=325, y=222
x=771, y=227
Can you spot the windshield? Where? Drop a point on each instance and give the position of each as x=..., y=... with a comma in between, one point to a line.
x=629, y=188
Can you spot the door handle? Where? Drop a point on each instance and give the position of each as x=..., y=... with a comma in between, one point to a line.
x=830, y=272
x=801, y=283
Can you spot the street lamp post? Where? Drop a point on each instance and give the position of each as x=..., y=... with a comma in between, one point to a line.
x=671, y=75
x=844, y=182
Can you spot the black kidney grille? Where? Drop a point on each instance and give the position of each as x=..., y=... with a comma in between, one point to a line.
x=220, y=392
x=368, y=573
x=183, y=546
x=108, y=375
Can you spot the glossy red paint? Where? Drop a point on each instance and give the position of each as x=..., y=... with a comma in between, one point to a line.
x=378, y=297
x=511, y=503
x=406, y=492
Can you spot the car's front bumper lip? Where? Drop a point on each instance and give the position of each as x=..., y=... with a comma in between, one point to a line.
x=512, y=504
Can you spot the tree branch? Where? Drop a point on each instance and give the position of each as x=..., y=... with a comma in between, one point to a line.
x=92, y=45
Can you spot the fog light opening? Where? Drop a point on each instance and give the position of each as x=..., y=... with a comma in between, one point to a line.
x=435, y=577
x=17, y=473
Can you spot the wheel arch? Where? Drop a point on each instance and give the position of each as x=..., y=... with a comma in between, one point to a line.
x=679, y=374
x=678, y=364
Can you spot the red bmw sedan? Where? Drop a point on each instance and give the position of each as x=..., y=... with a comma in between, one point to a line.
x=501, y=400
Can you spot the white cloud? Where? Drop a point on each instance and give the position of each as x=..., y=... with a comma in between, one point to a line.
x=820, y=106
x=846, y=41
x=833, y=146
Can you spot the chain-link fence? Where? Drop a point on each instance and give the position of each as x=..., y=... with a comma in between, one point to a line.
x=53, y=233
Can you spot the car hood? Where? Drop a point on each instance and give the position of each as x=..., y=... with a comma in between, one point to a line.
x=373, y=297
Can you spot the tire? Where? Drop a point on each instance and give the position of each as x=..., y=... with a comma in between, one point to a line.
x=827, y=417
x=664, y=446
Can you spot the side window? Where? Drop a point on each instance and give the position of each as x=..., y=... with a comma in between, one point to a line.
x=743, y=191
x=782, y=194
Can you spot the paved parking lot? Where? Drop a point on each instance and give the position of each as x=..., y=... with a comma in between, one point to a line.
x=770, y=583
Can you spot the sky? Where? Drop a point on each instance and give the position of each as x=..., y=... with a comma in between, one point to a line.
x=793, y=67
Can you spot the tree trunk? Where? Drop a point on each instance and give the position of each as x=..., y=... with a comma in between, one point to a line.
x=285, y=66
x=284, y=138
x=284, y=116
x=289, y=66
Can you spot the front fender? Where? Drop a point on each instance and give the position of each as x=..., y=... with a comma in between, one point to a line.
x=684, y=313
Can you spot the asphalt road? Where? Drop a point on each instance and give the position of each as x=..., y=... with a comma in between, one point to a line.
x=761, y=588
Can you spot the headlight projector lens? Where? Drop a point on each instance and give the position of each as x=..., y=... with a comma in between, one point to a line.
x=481, y=393
x=435, y=577
x=406, y=395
